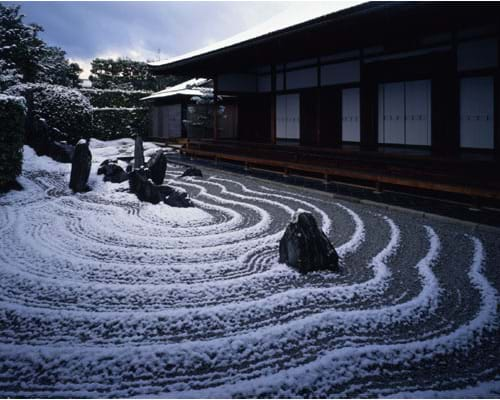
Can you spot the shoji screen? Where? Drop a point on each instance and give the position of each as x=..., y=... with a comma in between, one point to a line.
x=476, y=112
x=350, y=115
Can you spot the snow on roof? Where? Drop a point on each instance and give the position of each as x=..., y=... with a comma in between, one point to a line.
x=192, y=87
x=294, y=15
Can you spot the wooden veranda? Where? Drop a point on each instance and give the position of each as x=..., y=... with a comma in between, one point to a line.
x=401, y=169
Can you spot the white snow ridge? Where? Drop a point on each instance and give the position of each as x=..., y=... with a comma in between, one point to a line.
x=104, y=296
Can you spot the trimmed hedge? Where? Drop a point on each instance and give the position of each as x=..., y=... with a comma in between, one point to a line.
x=62, y=108
x=115, y=123
x=12, y=118
x=105, y=98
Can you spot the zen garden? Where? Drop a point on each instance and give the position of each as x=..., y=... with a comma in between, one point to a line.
x=135, y=264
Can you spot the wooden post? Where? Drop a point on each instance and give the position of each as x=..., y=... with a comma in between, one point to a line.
x=318, y=104
x=368, y=109
x=273, y=104
x=496, y=111
x=215, y=107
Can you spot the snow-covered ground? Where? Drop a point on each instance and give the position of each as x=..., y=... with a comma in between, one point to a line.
x=102, y=295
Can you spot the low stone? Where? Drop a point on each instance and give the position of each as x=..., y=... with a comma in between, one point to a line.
x=114, y=173
x=157, y=166
x=178, y=198
x=107, y=162
x=191, y=171
x=305, y=247
x=80, y=167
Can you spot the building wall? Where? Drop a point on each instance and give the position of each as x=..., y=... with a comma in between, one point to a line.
x=440, y=93
x=166, y=121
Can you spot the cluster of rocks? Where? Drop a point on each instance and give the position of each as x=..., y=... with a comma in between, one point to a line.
x=146, y=190
x=145, y=178
x=305, y=247
x=43, y=141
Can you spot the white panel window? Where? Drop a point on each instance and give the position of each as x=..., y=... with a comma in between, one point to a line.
x=350, y=115
x=281, y=117
x=288, y=116
x=405, y=113
x=476, y=112
x=391, y=111
x=335, y=74
x=302, y=78
x=418, y=112
x=477, y=54
x=293, y=116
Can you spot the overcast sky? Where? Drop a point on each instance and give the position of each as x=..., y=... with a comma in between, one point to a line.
x=149, y=30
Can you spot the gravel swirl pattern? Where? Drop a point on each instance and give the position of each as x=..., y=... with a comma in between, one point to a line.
x=102, y=295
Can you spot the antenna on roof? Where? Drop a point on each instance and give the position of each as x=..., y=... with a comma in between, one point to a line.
x=159, y=52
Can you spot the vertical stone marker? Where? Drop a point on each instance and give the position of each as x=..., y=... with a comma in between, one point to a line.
x=80, y=167
x=138, y=152
x=305, y=247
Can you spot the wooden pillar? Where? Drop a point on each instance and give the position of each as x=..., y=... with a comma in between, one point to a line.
x=273, y=104
x=445, y=107
x=330, y=117
x=215, y=107
x=496, y=104
x=368, y=98
x=318, y=104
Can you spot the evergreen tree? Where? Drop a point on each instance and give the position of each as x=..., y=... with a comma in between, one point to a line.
x=56, y=69
x=126, y=74
x=20, y=46
x=26, y=57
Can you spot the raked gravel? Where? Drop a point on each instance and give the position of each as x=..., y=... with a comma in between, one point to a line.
x=104, y=296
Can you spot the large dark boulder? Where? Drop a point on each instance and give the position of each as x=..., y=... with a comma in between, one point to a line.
x=138, y=152
x=157, y=166
x=80, y=167
x=305, y=247
x=61, y=152
x=191, y=171
x=143, y=188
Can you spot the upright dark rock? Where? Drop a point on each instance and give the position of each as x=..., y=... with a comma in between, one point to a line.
x=191, y=171
x=157, y=166
x=305, y=247
x=138, y=152
x=80, y=167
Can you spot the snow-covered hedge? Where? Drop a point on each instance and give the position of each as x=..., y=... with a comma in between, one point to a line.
x=114, y=123
x=12, y=115
x=62, y=108
x=105, y=98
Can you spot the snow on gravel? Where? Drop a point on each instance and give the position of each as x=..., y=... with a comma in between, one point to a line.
x=102, y=295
